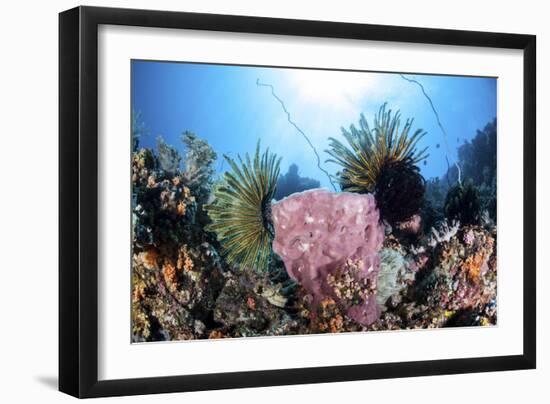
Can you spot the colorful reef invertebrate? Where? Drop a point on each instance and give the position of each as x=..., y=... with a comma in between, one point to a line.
x=245, y=306
x=328, y=317
x=168, y=157
x=163, y=206
x=382, y=160
x=319, y=233
x=393, y=277
x=462, y=203
x=198, y=162
x=454, y=286
x=372, y=149
x=399, y=191
x=463, y=276
x=241, y=210
x=443, y=233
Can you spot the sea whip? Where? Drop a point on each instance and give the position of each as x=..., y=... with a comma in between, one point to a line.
x=447, y=152
x=298, y=129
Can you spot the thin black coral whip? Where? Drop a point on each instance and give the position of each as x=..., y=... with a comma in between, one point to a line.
x=306, y=137
x=445, y=137
x=371, y=149
x=240, y=213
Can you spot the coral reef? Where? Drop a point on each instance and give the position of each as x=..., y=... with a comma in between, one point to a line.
x=172, y=295
x=163, y=206
x=463, y=275
x=168, y=157
x=478, y=157
x=462, y=204
x=478, y=161
x=443, y=233
x=411, y=226
x=395, y=275
x=176, y=271
x=319, y=233
x=434, y=198
x=454, y=285
x=241, y=210
x=138, y=129
x=291, y=182
x=199, y=165
x=250, y=305
x=219, y=258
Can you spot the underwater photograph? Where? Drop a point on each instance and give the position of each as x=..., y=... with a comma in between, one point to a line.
x=277, y=201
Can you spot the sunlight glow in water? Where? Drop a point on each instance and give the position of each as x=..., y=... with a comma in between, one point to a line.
x=339, y=90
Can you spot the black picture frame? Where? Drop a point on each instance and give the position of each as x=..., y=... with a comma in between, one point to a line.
x=78, y=201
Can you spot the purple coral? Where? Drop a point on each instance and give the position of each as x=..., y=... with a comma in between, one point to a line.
x=317, y=233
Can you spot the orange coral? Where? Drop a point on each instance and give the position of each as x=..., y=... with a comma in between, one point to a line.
x=336, y=324
x=327, y=303
x=139, y=291
x=181, y=208
x=184, y=259
x=216, y=334
x=150, y=258
x=141, y=324
x=328, y=317
x=251, y=303
x=170, y=274
x=187, y=194
x=473, y=266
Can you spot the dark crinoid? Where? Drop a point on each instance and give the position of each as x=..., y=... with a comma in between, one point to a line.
x=399, y=191
x=383, y=159
x=462, y=203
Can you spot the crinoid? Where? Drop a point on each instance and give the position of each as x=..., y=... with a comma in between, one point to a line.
x=371, y=150
x=463, y=203
x=241, y=210
x=383, y=161
x=399, y=191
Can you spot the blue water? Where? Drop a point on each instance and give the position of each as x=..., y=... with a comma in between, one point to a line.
x=225, y=106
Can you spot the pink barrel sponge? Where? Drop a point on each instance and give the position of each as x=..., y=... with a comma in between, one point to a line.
x=317, y=233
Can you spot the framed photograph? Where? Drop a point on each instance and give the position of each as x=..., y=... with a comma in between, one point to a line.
x=251, y=201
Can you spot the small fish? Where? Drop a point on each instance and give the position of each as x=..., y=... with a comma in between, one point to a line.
x=425, y=163
x=438, y=145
